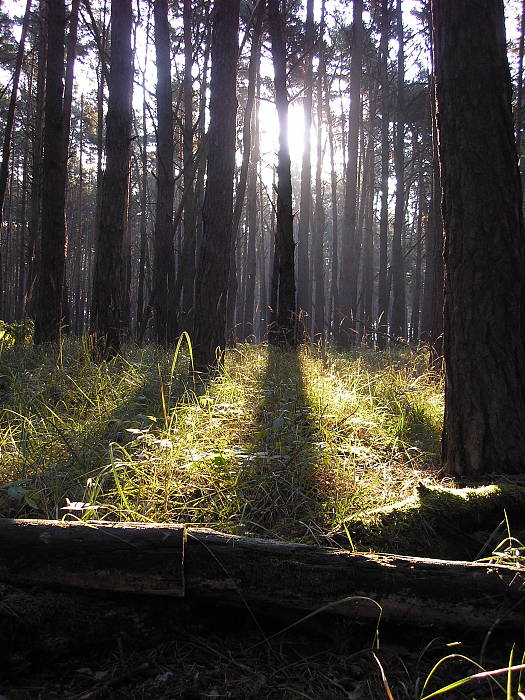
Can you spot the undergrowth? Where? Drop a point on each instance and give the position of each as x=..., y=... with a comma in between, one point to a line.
x=282, y=444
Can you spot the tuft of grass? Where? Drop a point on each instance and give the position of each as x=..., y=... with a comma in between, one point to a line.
x=287, y=445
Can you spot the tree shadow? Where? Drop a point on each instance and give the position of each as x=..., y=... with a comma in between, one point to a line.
x=280, y=483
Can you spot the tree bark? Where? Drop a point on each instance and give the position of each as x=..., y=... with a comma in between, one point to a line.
x=187, y=268
x=349, y=256
x=214, y=256
x=283, y=330
x=484, y=241
x=33, y=251
x=398, y=317
x=304, y=296
x=247, y=173
x=108, y=279
x=49, y=308
x=168, y=560
x=164, y=258
x=382, y=285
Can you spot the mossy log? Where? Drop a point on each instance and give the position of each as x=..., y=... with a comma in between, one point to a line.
x=440, y=522
x=169, y=560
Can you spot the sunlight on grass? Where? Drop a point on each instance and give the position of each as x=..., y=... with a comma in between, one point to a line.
x=282, y=445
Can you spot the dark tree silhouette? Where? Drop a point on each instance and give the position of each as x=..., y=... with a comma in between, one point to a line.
x=106, y=314
x=484, y=241
x=164, y=259
x=214, y=257
x=283, y=329
x=49, y=309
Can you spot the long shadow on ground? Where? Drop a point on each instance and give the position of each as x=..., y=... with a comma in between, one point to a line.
x=279, y=482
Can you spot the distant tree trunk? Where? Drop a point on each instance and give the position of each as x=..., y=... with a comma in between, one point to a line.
x=484, y=242
x=519, y=100
x=367, y=277
x=187, y=268
x=244, y=175
x=164, y=259
x=108, y=276
x=382, y=287
x=283, y=331
x=432, y=312
x=251, y=215
x=214, y=256
x=416, y=295
x=319, y=319
x=304, y=301
x=10, y=118
x=33, y=251
x=334, y=267
x=398, y=318
x=143, y=210
x=349, y=260
x=8, y=131
x=49, y=309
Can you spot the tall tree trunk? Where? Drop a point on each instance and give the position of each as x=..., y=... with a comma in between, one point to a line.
x=334, y=280
x=8, y=131
x=484, y=242
x=143, y=210
x=319, y=318
x=349, y=259
x=284, y=330
x=108, y=275
x=383, y=292
x=304, y=296
x=398, y=318
x=49, y=309
x=214, y=256
x=518, y=121
x=253, y=75
x=251, y=216
x=416, y=295
x=432, y=313
x=10, y=118
x=187, y=268
x=33, y=250
x=164, y=259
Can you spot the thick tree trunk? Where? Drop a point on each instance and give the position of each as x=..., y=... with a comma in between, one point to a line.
x=168, y=560
x=349, y=257
x=284, y=328
x=108, y=279
x=164, y=258
x=49, y=310
x=484, y=241
x=214, y=256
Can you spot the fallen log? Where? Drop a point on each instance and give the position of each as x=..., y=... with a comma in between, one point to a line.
x=172, y=560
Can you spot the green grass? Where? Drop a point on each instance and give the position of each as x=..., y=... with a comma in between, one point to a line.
x=283, y=445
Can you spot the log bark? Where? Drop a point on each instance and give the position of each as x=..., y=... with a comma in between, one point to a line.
x=169, y=560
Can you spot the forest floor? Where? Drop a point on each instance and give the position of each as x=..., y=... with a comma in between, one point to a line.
x=290, y=446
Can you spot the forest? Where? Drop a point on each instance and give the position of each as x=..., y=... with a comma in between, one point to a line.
x=262, y=355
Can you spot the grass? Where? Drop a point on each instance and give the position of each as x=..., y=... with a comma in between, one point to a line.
x=284, y=445
x=289, y=446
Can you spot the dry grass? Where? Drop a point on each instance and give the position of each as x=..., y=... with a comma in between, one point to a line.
x=283, y=444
